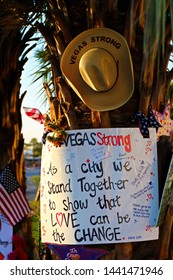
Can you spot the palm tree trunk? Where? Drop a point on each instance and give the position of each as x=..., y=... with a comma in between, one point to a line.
x=11, y=138
x=129, y=20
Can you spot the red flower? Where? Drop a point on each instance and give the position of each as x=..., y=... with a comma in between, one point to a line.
x=19, y=251
x=19, y=241
x=12, y=256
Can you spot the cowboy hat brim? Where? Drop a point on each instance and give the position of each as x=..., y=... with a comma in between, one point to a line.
x=117, y=46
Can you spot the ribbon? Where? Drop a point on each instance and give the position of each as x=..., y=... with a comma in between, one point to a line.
x=35, y=114
x=165, y=121
x=145, y=122
x=79, y=252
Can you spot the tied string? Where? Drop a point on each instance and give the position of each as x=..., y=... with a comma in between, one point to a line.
x=58, y=129
x=145, y=122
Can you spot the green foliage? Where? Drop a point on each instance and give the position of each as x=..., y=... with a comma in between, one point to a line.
x=44, y=71
x=35, y=146
x=36, y=180
x=35, y=222
x=35, y=228
x=35, y=206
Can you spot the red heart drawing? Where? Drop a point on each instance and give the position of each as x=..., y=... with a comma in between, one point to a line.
x=59, y=218
x=44, y=230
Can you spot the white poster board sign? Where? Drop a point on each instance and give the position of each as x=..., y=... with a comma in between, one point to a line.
x=100, y=186
x=6, y=232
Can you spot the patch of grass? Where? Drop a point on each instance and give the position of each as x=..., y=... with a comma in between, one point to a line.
x=35, y=219
x=36, y=180
x=35, y=228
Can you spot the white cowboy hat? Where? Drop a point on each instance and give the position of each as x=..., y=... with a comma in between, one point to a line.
x=97, y=65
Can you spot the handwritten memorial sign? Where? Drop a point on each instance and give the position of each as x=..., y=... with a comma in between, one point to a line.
x=6, y=232
x=100, y=186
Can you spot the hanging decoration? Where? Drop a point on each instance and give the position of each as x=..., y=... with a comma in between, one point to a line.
x=57, y=138
x=35, y=114
x=71, y=252
x=58, y=134
x=145, y=122
x=57, y=127
x=100, y=72
x=165, y=121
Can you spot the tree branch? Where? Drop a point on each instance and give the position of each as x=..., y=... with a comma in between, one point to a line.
x=68, y=110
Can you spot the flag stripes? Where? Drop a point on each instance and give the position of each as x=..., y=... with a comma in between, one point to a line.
x=13, y=203
x=34, y=114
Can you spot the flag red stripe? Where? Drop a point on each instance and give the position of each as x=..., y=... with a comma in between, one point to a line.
x=7, y=207
x=23, y=202
x=14, y=206
x=34, y=114
x=17, y=203
x=6, y=212
x=9, y=203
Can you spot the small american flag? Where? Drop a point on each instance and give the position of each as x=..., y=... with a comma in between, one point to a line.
x=13, y=203
x=35, y=114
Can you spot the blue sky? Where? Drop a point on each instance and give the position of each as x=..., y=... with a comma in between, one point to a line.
x=30, y=128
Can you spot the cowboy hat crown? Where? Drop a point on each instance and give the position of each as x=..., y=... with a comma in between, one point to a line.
x=98, y=69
